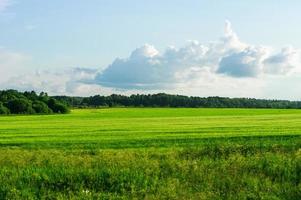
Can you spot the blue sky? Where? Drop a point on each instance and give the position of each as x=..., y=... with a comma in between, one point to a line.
x=85, y=37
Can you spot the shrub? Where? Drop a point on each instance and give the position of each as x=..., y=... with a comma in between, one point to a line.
x=57, y=107
x=20, y=106
x=3, y=109
x=41, y=107
x=16, y=102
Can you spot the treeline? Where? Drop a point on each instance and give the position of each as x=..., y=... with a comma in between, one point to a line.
x=14, y=102
x=166, y=100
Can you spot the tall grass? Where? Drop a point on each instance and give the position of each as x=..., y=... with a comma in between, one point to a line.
x=152, y=154
x=189, y=173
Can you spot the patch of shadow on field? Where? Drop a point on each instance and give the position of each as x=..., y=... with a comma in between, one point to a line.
x=290, y=141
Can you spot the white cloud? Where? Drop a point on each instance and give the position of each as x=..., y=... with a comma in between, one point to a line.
x=286, y=61
x=227, y=67
x=231, y=40
x=79, y=82
x=147, y=68
x=11, y=63
x=245, y=63
x=67, y=82
x=131, y=72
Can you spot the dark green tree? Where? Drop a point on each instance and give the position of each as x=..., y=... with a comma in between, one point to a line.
x=41, y=107
x=20, y=106
x=57, y=107
x=3, y=110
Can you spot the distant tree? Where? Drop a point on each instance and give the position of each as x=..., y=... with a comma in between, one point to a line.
x=41, y=107
x=166, y=100
x=29, y=103
x=20, y=106
x=31, y=95
x=3, y=110
x=57, y=107
x=43, y=97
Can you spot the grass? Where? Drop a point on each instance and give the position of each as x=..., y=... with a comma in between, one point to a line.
x=152, y=153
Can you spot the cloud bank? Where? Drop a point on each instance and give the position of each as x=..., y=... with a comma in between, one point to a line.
x=147, y=68
x=226, y=67
x=73, y=81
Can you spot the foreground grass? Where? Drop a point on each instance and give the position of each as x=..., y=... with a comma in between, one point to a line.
x=152, y=154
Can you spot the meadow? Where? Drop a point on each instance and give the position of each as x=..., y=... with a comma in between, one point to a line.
x=152, y=153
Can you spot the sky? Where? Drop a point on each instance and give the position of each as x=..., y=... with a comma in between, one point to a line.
x=249, y=48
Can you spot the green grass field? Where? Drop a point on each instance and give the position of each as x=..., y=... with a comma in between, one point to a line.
x=152, y=153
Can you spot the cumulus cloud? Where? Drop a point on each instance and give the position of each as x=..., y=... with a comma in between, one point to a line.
x=284, y=62
x=245, y=63
x=130, y=73
x=147, y=68
x=212, y=84
x=227, y=67
x=257, y=61
x=79, y=82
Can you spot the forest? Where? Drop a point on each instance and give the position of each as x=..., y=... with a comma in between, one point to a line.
x=176, y=101
x=14, y=102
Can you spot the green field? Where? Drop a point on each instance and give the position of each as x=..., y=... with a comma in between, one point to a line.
x=152, y=153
